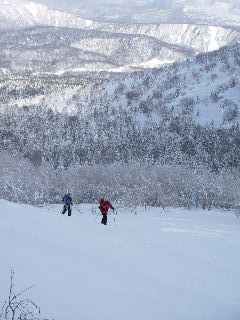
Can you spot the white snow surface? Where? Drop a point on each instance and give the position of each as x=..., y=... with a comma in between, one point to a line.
x=173, y=264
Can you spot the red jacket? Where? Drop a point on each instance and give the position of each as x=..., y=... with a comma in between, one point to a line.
x=104, y=206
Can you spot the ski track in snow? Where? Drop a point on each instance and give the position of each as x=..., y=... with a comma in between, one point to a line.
x=173, y=264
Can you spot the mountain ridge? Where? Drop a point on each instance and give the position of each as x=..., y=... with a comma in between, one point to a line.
x=21, y=14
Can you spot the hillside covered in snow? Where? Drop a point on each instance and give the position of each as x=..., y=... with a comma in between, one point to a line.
x=22, y=14
x=186, y=113
x=51, y=50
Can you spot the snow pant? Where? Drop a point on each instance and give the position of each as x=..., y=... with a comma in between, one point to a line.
x=104, y=219
x=67, y=207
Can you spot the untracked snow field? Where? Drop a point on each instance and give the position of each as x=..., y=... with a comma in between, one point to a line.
x=172, y=265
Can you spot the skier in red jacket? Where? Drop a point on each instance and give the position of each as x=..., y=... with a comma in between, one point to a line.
x=104, y=205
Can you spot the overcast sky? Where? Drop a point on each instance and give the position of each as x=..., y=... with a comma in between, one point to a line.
x=80, y=3
x=164, y=10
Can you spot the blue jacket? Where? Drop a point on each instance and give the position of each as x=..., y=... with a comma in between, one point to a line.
x=67, y=199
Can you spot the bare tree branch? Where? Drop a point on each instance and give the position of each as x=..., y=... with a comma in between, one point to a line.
x=16, y=308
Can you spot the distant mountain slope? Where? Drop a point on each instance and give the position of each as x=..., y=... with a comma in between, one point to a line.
x=21, y=14
x=205, y=86
x=199, y=38
x=185, y=113
x=59, y=50
x=178, y=40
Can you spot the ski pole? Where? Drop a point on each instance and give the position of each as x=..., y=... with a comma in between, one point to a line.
x=114, y=219
x=79, y=211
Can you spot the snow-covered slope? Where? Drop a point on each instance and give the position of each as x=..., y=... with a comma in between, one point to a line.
x=187, y=103
x=60, y=50
x=205, y=87
x=171, y=264
x=21, y=14
x=115, y=48
x=198, y=37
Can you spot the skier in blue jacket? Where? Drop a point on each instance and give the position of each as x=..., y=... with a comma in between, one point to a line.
x=67, y=200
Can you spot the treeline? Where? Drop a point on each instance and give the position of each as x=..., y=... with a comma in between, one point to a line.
x=124, y=184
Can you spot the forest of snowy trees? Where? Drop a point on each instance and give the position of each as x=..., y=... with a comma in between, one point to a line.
x=98, y=134
x=105, y=136
x=179, y=164
x=126, y=184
